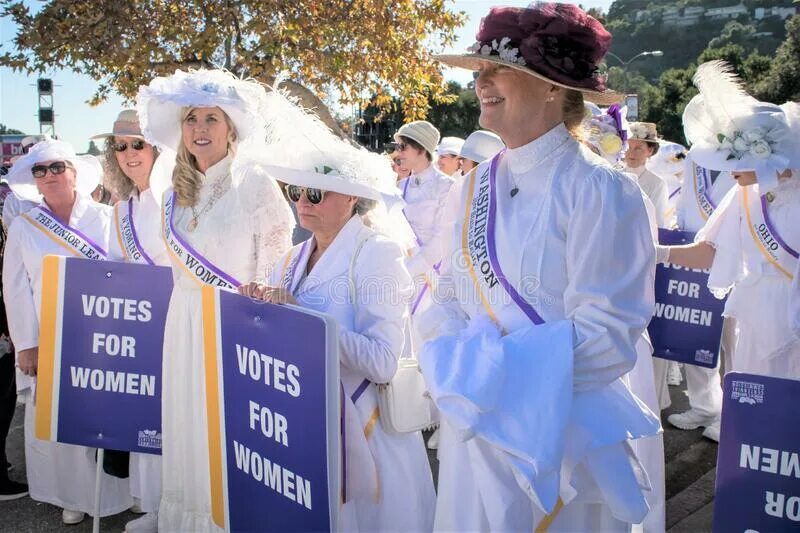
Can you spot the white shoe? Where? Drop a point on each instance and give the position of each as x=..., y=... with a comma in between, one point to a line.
x=147, y=523
x=674, y=376
x=136, y=508
x=712, y=431
x=72, y=517
x=433, y=442
x=690, y=419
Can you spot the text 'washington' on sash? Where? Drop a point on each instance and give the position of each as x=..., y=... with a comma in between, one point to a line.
x=113, y=345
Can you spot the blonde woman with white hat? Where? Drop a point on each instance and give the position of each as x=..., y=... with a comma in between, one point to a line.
x=546, y=288
x=136, y=237
x=751, y=241
x=225, y=223
x=346, y=197
x=67, y=222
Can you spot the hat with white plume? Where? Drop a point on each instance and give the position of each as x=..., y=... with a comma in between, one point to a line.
x=729, y=130
x=160, y=104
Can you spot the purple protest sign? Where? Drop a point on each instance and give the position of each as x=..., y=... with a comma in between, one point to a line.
x=687, y=324
x=101, y=341
x=272, y=382
x=758, y=464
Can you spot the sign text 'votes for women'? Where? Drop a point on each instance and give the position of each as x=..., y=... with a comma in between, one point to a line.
x=272, y=386
x=758, y=465
x=100, y=346
x=687, y=324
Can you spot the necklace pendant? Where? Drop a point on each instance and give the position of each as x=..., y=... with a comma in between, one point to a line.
x=192, y=224
x=514, y=191
x=770, y=197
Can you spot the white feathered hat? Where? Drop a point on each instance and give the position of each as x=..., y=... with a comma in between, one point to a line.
x=301, y=150
x=88, y=171
x=160, y=104
x=669, y=160
x=730, y=130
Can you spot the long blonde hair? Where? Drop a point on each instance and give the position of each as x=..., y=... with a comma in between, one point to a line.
x=115, y=178
x=186, y=178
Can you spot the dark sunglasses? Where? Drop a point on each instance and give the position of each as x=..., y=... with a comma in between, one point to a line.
x=314, y=196
x=40, y=171
x=400, y=146
x=136, y=145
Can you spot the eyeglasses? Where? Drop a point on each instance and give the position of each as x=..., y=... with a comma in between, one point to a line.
x=400, y=146
x=40, y=171
x=136, y=145
x=315, y=196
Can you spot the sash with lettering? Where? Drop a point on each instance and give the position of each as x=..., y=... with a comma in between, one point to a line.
x=702, y=181
x=192, y=261
x=127, y=236
x=72, y=239
x=766, y=236
x=479, y=246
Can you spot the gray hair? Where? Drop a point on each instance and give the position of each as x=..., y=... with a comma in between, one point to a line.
x=114, y=178
x=364, y=206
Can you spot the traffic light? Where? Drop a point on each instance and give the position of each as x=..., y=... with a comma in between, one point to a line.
x=44, y=85
x=46, y=116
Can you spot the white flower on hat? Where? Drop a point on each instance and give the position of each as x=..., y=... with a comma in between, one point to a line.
x=755, y=134
x=501, y=49
x=740, y=144
x=760, y=149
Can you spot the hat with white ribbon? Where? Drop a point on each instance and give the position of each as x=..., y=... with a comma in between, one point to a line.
x=729, y=130
x=161, y=103
x=88, y=171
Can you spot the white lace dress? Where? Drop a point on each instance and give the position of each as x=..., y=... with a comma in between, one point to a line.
x=243, y=233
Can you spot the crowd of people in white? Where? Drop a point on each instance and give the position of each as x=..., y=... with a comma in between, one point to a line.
x=522, y=259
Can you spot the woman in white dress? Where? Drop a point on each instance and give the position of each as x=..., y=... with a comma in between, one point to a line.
x=60, y=474
x=751, y=241
x=225, y=223
x=546, y=289
x=136, y=238
x=388, y=479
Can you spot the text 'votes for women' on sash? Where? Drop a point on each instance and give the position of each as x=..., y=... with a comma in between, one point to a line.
x=101, y=337
x=272, y=383
x=758, y=465
x=687, y=324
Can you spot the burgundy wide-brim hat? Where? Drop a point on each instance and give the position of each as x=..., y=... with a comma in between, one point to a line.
x=558, y=43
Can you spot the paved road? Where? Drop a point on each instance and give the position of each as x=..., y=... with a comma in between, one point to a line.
x=690, y=475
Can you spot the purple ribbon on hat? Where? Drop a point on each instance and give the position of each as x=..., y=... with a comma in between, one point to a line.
x=615, y=112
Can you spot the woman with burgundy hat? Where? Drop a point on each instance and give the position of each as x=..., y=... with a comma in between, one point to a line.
x=547, y=286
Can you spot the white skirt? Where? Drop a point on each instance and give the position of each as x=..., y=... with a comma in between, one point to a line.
x=186, y=493
x=145, y=480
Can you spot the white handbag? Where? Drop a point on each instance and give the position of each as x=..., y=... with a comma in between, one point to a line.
x=404, y=403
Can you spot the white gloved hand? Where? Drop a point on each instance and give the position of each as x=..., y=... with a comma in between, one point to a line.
x=662, y=254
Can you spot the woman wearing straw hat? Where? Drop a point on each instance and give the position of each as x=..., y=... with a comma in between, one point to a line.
x=341, y=195
x=225, y=223
x=65, y=222
x=751, y=241
x=551, y=268
x=136, y=238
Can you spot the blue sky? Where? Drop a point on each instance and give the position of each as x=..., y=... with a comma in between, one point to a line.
x=76, y=121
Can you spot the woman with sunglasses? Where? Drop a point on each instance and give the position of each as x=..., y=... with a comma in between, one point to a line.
x=225, y=223
x=136, y=238
x=65, y=222
x=546, y=288
x=341, y=198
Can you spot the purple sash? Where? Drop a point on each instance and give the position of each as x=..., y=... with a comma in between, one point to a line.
x=127, y=236
x=192, y=261
x=766, y=235
x=702, y=189
x=75, y=241
x=526, y=308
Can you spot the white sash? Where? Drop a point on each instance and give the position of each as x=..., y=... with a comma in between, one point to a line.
x=69, y=238
x=766, y=236
x=127, y=236
x=701, y=179
x=193, y=262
